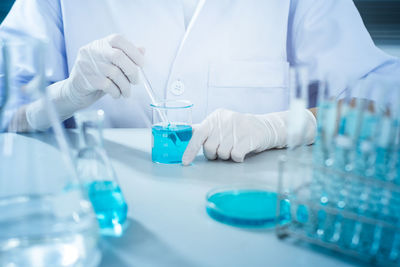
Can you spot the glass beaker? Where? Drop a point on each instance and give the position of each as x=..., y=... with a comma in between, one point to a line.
x=97, y=174
x=41, y=223
x=171, y=130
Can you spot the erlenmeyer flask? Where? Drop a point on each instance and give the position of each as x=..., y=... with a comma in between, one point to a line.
x=41, y=223
x=97, y=174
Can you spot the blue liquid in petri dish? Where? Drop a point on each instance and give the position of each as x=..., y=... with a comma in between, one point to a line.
x=109, y=206
x=246, y=208
x=170, y=142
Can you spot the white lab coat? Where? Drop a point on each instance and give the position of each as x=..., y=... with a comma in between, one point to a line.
x=237, y=55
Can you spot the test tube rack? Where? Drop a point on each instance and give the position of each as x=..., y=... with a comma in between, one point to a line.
x=351, y=214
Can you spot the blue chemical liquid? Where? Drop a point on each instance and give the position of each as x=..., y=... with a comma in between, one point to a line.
x=246, y=208
x=302, y=214
x=170, y=142
x=109, y=205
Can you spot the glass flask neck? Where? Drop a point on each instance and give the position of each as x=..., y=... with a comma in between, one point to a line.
x=91, y=134
x=90, y=125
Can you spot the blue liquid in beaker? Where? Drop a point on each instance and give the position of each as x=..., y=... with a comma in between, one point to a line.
x=109, y=205
x=170, y=142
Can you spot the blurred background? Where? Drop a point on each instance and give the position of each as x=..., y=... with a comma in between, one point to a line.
x=5, y=6
x=382, y=18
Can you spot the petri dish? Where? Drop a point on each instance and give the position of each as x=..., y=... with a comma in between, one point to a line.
x=246, y=206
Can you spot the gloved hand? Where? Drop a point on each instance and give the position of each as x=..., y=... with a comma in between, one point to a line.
x=106, y=66
x=226, y=134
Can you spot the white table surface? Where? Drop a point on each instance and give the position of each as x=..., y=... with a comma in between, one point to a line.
x=169, y=225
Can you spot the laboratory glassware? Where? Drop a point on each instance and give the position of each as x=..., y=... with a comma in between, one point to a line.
x=350, y=202
x=246, y=206
x=152, y=95
x=298, y=102
x=256, y=205
x=97, y=175
x=42, y=223
x=170, y=138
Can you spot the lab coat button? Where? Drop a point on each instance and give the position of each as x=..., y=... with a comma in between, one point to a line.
x=177, y=88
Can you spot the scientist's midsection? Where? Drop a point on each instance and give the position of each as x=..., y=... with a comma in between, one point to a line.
x=234, y=57
x=249, y=94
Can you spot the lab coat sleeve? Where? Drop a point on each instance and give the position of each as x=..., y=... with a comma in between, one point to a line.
x=41, y=19
x=329, y=36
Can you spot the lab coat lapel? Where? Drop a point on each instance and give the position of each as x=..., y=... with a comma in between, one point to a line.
x=192, y=22
x=188, y=31
x=205, y=16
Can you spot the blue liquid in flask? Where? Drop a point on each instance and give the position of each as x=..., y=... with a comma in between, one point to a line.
x=109, y=206
x=170, y=142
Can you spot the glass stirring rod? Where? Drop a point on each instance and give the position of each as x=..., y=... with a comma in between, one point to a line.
x=152, y=95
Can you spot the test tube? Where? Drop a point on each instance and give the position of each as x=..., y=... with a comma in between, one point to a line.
x=385, y=238
x=394, y=168
x=299, y=83
x=362, y=233
x=345, y=188
x=330, y=195
x=322, y=156
x=373, y=148
x=359, y=195
x=380, y=197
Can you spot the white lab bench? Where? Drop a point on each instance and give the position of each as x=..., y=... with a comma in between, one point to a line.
x=169, y=225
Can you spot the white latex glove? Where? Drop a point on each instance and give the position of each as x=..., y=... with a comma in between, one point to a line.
x=227, y=134
x=106, y=66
